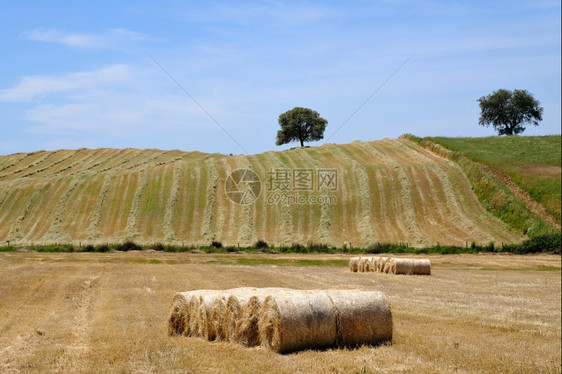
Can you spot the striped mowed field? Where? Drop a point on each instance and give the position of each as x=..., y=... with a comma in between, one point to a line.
x=386, y=191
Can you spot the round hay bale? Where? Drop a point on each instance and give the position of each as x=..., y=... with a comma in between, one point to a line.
x=402, y=266
x=363, y=262
x=179, y=318
x=422, y=267
x=295, y=320
x=367, y=264
x=382, y=264
x=216, y=317
x=192, y=326
x=233, y=311
x=374, y=261
x=354, y=264
x=202, y=313
x=247, y=332
x=238, y=320
x=362, y=317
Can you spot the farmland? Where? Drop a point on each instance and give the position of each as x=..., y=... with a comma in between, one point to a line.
x=388, y=191
x=91, y=313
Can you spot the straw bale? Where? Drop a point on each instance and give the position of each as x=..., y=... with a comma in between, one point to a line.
x=354, y=264
x=216, y=317
x=374, y=261
x=202, y=312
x=294, y=320
x=422, y=267
x=381, y=266
x=246, y=331
x=362, y=317
x=179, y=319
x=402, y=266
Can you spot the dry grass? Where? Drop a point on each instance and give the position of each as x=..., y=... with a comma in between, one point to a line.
x=91, y=313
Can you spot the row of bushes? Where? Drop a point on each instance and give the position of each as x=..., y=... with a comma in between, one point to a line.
x=545, y=243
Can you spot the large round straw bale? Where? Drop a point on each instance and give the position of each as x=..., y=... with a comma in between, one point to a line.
x=239, y=323
x=363, y=263
x=216, y=317
x=362, y=317
x=367, y=264
x=422, y=267
x=382, y=264
x=374, y=261
x=296, y=320
x=192, y=326
x=247, y=332
x=354, y=264
x=403, y=266
x=233, y=311
x=203, y=328
x=179, y=319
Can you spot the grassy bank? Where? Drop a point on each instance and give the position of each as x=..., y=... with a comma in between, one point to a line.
x=533, y=162
x=494, y=195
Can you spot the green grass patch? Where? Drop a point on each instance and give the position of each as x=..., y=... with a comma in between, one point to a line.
x=532, y=162
x=491, y=192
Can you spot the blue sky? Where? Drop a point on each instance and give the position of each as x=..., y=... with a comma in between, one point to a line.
x=80, y=74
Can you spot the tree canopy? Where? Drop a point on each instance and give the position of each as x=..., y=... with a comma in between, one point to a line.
x=300, y=124
x=509, y=110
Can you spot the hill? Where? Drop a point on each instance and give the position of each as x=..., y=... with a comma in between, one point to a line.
x=532, y=162
x=387, y=191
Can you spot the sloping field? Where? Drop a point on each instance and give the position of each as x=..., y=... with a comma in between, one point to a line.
x=359, y=193
x=108, y=313
x=532, y=162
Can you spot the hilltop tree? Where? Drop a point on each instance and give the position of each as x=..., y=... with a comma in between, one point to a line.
x=300, y=124
x=508, y=111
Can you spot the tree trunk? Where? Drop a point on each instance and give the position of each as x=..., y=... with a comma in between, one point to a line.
x=302, y=142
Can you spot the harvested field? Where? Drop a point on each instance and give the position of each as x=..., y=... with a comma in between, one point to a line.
x=92, y=312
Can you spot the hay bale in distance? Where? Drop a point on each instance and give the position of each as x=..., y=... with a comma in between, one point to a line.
x=297, y=320
x=362, y=317
x=422, y=267
x=402, y=266
x=354, y=264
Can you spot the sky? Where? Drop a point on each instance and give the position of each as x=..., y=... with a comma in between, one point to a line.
x=214, y=76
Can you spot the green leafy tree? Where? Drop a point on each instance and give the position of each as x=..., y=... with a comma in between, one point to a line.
x=300, y=124
x=508, y=111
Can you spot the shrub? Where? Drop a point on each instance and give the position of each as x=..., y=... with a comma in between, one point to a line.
x=216, y=244
x=129, y=245
x=102, y=248
x=261, y=244
x=89, y=248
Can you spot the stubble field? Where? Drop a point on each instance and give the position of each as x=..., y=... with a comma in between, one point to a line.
x=93, y=313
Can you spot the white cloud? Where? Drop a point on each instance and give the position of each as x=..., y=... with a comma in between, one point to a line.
x=110, y=39
x=30, y=87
